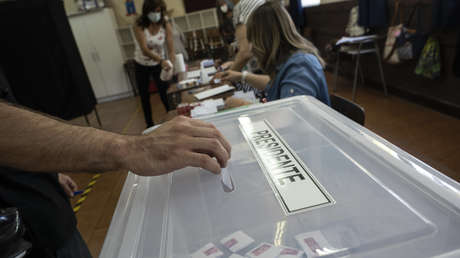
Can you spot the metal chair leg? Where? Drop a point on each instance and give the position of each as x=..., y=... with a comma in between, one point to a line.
x=97, y=117
x=361, y=75
x=336, y=72
x=379, y=59
x=355, y=81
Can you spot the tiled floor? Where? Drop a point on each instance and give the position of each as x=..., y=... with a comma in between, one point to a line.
x=428, y=135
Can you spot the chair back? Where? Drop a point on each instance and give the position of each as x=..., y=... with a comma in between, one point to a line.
x=348, y=108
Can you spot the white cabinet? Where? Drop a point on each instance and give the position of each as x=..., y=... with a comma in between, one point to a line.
x=190, y=22
x=102, y=56
x=196, y=21
x=127, y=40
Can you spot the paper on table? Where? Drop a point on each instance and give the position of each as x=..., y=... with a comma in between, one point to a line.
x=196, y=73
x=226, y=180
x=212, y=92
x=188, y=81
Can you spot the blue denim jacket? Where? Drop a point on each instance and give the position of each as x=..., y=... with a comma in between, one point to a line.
x=301, y=74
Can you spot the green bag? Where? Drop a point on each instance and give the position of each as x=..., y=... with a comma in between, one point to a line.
x=429, y=63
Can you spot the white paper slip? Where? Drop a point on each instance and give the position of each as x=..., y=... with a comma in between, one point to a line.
x=264, y=250
x=212, y=92
x=314, y=244
x=209, y=250
x=227, y=181
x=289, y=252
x=237, y=241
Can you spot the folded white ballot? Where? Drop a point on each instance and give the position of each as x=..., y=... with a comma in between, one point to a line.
x=226, y=180
x=264, y=250
x=237, y=241
x=208, y=251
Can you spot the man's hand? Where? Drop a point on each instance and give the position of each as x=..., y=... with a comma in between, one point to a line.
x=67, y=184
x=179, y=143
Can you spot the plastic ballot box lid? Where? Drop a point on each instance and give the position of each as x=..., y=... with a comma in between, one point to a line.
x=305, y=178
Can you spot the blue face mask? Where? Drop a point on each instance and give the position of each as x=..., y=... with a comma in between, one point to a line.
x=154, y=16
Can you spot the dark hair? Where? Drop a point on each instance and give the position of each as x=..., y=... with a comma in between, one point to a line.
x=274, y=37
x=222, y=16
x=148, y=7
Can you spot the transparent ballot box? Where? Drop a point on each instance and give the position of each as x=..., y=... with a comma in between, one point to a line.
x=308, y=182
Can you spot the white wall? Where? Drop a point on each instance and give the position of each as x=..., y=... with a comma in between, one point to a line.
x=178, y=6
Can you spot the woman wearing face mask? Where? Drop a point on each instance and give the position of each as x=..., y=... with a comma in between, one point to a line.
x=152, y=29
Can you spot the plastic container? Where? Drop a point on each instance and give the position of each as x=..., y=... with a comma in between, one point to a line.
x=384, y=202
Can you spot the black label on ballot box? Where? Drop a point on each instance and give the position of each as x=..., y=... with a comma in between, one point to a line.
x=294, y=185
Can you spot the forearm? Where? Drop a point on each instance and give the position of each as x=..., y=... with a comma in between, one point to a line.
x=34, y=142
x=170, y=43
x=258, y=81
x=241, y=59
x=244, y=53
x=152, y=55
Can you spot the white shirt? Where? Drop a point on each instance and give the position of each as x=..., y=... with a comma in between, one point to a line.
x=244, y=9
x=155, y=43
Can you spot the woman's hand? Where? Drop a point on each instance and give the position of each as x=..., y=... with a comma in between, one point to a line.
x=226, y=65
x=231, y=75
x=236, y=102
x=67, y=184
x=166, y=64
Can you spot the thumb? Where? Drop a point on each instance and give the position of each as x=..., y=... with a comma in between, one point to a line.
x=67, y=189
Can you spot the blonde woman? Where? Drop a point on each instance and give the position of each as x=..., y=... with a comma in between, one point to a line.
x=291, y=63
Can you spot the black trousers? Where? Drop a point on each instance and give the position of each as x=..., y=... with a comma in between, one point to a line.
x=143, y=74
x=74, y=248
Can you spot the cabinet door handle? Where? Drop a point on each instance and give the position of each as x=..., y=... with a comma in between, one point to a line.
x=98, y=57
